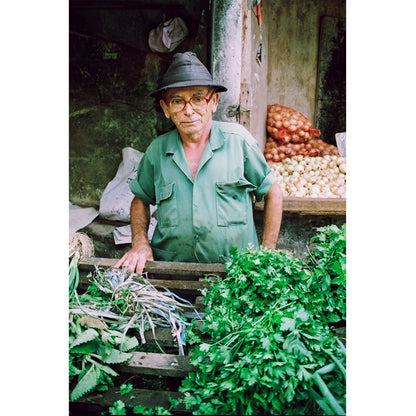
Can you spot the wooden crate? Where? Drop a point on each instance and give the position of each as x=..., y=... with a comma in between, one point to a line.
x=183, y=279
x=311, y=206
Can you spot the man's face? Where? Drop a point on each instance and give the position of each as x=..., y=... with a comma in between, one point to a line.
x=196, y=115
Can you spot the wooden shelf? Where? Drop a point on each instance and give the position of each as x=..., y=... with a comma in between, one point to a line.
x=161, y=267
x=180, y=277
x=143, y=397
x=311, y=206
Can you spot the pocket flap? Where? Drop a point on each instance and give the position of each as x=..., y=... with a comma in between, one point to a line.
x=241, y=183
x=164, y=192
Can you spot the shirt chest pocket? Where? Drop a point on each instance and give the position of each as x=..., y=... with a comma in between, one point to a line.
x=167, y=206
x=233, y=202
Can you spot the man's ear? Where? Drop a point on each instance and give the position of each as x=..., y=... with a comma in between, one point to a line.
x=214, y=100
x=165, y=108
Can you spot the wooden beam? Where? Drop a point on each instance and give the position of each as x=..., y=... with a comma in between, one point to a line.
x=311, y=206
x=143, y=397
x=156, y=364
x=160, y=267
x=245, y=87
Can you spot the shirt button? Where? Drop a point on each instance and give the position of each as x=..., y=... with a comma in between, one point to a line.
x=235, y=196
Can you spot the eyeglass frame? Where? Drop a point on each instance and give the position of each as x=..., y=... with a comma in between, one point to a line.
x=168, y=101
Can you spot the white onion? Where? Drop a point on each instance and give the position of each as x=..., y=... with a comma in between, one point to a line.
x=312, y=177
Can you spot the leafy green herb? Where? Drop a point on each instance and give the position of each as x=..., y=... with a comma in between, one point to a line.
x=269, y=327
x=73, y=274
x=158, y=410
x=126, y=388
x=90, y=353
x=118, y=408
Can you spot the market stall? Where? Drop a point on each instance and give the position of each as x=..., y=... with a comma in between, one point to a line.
x=174, y=355
x=265, y=332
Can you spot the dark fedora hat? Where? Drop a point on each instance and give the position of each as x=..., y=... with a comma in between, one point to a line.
x=186, y=70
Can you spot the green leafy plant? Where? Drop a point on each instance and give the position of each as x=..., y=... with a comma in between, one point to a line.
x=91, y=352
x=131, y=301
x=158, y=410
x=126, y=388
x=115, y=302
x=73, y=274
x=118, y=408
x=326, y=259
x=266, y=335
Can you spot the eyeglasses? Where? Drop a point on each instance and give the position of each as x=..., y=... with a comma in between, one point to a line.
x=197, y=103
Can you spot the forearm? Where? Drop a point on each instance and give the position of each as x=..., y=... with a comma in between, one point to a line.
x=140, y=218
x=273, y=208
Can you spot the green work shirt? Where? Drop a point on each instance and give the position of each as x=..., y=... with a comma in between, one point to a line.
x=200, y=219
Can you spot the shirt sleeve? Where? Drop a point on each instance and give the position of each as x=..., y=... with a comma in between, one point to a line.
x=143, y=186
x=256, y=169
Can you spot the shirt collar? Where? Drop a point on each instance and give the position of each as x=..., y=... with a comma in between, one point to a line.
x=172, y=142
x=216, y=138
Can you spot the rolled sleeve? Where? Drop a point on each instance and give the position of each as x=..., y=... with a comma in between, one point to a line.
x=264, y=187
x=257, y=171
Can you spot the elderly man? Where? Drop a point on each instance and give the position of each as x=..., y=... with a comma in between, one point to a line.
x=201, y=176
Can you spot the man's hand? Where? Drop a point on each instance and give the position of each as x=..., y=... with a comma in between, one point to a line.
x=135, y=260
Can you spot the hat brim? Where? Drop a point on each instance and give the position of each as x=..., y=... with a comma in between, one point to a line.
x=184, y=84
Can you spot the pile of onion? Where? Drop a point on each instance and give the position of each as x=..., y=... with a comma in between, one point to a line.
x=289, y=125
x=290, y=133
x=312, y=177
x=276, y=150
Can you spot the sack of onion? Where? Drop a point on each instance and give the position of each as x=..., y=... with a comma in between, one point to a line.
x=276, y=150
x=289, y=125
x=312, y=177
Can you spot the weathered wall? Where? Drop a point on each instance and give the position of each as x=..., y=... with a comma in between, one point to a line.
x=259, y=73
x=293, y=41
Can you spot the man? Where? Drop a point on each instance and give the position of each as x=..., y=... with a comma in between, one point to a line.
x=201, y=176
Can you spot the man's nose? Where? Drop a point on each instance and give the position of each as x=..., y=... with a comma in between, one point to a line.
x=188, y=108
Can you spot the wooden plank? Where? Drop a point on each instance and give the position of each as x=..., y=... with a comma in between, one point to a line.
x=191, y=269
x=156, y=364
x=245, y=87
x=160, y=267
x=311, y=206
x=143, y=397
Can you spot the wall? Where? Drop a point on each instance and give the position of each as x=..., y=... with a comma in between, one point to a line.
x=259, y=68
x=293, y=44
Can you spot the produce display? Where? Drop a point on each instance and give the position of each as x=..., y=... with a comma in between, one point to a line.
x=276, y=151
x=304, y=166
x=312, y=177
x=270, y=347
x=268, y=343
x=115, y=302
x=290, y=133
x=289, y=125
